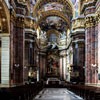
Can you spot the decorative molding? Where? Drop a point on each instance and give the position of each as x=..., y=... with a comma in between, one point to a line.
x=90, y=21
x=28, y=30
x=29, y=23
x=77, y=31
x=52, y=31
x=20, y=21
x=12, y=14
x=63, y=53
x=20, y=11
x=40, y=3
x=89, y=10
x=86, y=4
x=78, y=23
x=29, y=40
x=97, y=12
x=22, y=1
x=97, y=19
x=4, y=34
x=78, y=40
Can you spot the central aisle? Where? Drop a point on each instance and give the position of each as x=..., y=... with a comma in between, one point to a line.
x=56, y=94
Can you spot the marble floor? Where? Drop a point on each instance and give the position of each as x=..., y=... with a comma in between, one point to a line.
x=56, y=94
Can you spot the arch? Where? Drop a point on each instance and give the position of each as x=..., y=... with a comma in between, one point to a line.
x=54, y=13
x=5, y=15
x=68, y=3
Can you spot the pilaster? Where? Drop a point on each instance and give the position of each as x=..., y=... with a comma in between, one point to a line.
x=78, y=45
x=90, y=34
x=97, y=32
x=42, y=64
x=63, y=64
x=12, y=32
x=19, y=48
x=5, y=59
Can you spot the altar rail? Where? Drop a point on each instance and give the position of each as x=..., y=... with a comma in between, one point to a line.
x=21, y=92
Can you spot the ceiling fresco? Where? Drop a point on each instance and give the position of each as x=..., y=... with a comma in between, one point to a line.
x=54, y=15
x=53, y=22
x=53, y=6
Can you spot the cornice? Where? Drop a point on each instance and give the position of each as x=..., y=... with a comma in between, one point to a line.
x=78, y=23
x=29, y=22
x=78, y=40
x=4, y=35
x=19, y=4
x=28, y=30
x=87, y=4
x=78, y=31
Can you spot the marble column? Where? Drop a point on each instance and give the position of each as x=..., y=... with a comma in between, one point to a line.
x=76, y=53
x=60, y=67
x=38, y=66
x=63, y=65
x=90, y=49
x=79, y=58
x=99, y=52
x=12, y=32
x=98, y=48
x=97, y=32
x=5, y=59
x=19, y=50
x=30, y=53
x=42, y=64
x=78, y=44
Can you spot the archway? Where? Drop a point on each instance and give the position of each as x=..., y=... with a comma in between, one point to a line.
x=4, y=42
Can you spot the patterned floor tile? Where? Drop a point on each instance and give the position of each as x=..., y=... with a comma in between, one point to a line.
x=56, y=94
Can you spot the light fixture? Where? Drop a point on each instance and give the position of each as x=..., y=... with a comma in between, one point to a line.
x=93, y=65
x=0, y=7
x=84, y=67
x=0, y=25
x=25, y=67
x=38, y=32
x=3, y=19
x=16, y=65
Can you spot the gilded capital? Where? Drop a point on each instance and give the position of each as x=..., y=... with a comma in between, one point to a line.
x=97, y=18
x=20, y=22
x=29, y=23
x=13, y=16
x=90, y=21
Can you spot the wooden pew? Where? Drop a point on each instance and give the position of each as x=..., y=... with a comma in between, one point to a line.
x=86, y=92
x=21, y=92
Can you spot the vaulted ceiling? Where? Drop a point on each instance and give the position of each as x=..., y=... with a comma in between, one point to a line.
x=53, y=15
